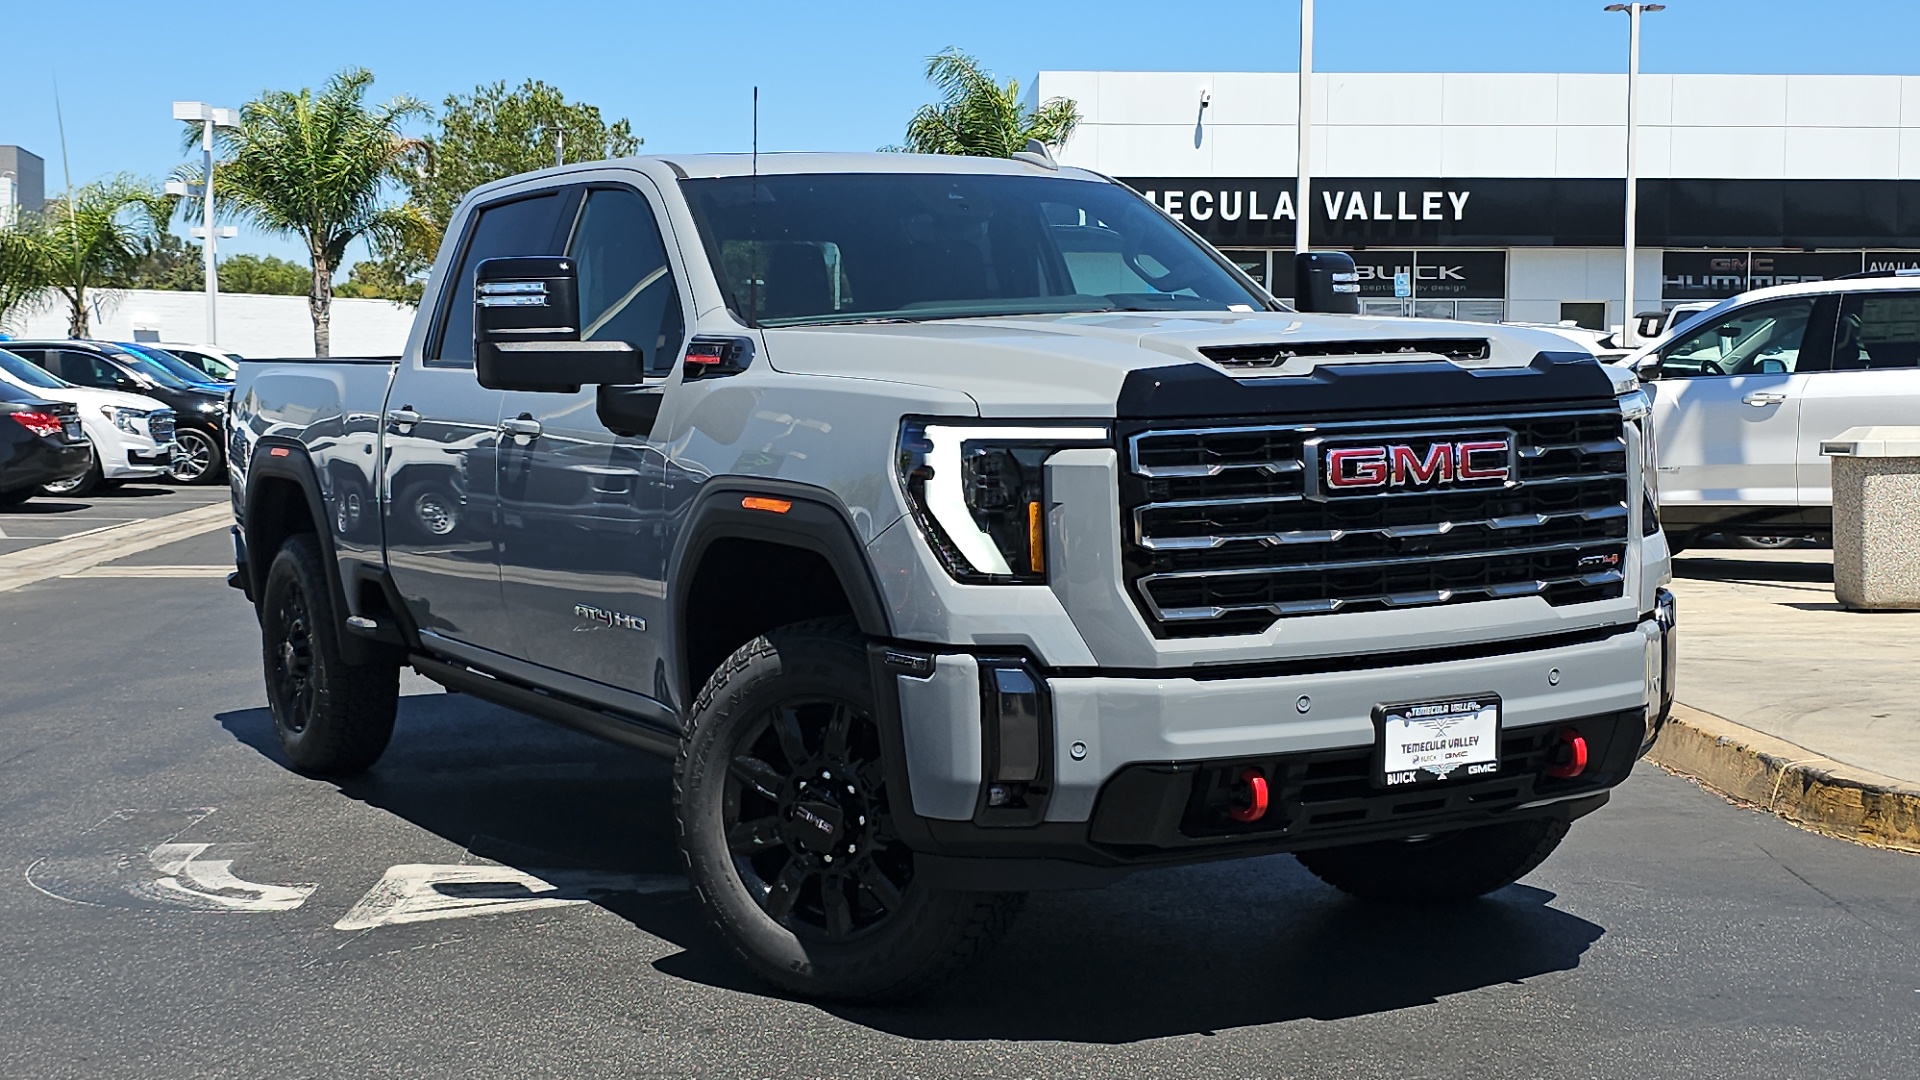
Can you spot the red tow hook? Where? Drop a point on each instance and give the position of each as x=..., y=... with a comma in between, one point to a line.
x=1256, y=806
x=1572, y=760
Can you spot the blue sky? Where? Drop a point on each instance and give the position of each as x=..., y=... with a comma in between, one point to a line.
x=840, y=76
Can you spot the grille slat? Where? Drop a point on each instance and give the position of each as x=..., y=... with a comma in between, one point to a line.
x=1228, y=533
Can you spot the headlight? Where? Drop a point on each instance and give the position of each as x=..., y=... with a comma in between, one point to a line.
x=978, y=493
x=1637, y=408
x=124, y=419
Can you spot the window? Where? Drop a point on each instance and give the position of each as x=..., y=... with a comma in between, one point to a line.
x=1878, y=331
x=1251, y=263
x=1591, y=314
x=794, y=249
x=18, y=370
x=626, y=284
x=1759, y=339
x=86, y=369
x=521, y=227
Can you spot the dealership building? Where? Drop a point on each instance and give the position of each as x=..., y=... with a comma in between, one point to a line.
x=1501, y=196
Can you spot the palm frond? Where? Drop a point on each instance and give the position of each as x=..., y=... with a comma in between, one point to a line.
x=978, y=116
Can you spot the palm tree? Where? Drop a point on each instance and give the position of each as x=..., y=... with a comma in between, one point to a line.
x=82, y=242
x=19, y=271
x=977, y=116
x=313, y=167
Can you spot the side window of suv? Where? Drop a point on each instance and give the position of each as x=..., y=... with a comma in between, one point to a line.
x=627, y=291
x=86, y=369
x=1760, y=339
x=521, y=227
x=1878, y=331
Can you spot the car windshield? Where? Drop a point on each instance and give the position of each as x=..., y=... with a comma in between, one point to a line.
x=154, y=371
x=22, y=372
x=180, y=368
x=825, y=248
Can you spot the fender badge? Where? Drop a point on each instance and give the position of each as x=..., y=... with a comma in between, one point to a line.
x=608, y=618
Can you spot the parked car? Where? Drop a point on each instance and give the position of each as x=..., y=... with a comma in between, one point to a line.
x=1745, y=392
x=200, y=411
x=217, y=364
x=1657, y=324
x=180, y=368
x=41, y=442
x=132, y=435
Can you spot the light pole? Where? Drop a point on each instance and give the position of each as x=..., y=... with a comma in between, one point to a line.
x=1628, y=325
x=1303, y=127
x=208, y=118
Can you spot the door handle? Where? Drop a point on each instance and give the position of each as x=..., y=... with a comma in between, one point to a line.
x=1760, y=399
x=403, y=418
x=521, y=427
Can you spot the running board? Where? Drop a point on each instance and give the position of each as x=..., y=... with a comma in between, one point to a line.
x=627, y=731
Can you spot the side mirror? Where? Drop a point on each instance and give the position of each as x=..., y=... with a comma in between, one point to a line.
x=526, y=330
x=1326, y=281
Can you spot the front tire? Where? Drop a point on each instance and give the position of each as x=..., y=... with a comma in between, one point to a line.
x=196, y=457
x=1442, y=869
x=786, y=825
x=333, y=718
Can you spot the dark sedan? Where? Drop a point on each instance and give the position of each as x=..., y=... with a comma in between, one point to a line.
x=200, y=410
x=40, y=443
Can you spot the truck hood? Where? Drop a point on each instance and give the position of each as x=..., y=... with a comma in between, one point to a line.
x=1076, y=365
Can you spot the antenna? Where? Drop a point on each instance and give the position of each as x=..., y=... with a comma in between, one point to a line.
x=66, y=170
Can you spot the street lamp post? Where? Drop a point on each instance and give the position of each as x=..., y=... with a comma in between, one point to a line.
x=1628, y=325
x=1303, y=127
x=208, y=118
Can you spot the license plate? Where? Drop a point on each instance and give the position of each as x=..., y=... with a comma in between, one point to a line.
x=73, y=432
x=1429, y=742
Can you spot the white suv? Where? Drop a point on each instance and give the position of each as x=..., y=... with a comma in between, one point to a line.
x=132, y=435
x=1745, y=392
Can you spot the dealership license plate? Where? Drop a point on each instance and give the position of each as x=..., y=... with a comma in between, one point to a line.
x=73, y=431
x=1427, y=742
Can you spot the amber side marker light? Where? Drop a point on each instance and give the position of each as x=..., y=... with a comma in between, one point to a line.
x=1036, y=544
x=761, y=502
x=279, y=451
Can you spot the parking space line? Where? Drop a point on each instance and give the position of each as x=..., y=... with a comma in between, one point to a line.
x=75, y=554
x=111, y=571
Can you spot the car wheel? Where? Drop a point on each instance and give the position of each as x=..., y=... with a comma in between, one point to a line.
x=333, y=718
x=431, y=509
x=786, y=825
x=1764, y=543
x=79, y=486
x=1439, y=869
x=196, y=457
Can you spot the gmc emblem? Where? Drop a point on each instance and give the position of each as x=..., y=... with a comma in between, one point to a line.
x=1483, y=460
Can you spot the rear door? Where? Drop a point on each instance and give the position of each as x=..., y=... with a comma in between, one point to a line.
x=1727, y=405
x=583, y=537
x=1875, y=379
x=441, y=434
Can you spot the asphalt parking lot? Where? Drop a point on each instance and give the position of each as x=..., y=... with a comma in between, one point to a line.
x=502, y=898
x=44, y=519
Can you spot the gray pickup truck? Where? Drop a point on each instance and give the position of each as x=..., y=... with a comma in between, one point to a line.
x=961, y=528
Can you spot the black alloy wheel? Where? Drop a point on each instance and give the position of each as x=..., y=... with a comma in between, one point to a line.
x=333, y=717
x=807, y=820
x=196, y=460
x=290, y=661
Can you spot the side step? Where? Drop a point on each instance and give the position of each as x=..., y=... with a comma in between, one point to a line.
x=604, y=725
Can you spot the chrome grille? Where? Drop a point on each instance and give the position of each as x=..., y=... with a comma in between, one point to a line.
x=1229, y=531
x=160, y=426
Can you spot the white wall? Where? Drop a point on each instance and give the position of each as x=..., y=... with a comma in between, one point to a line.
x=251, y=325
x=1539, y=278
x=1395, y=124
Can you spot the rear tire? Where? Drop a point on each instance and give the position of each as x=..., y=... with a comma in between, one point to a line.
x=786, y=826
x=333, y=718
x=1444, y=869
x=80, y=486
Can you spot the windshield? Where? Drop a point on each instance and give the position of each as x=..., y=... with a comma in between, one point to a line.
x=22, y=372
x=180, y=368
x=154, y=371
x=791, y=250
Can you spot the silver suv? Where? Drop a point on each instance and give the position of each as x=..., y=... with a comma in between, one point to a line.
x=963, y=527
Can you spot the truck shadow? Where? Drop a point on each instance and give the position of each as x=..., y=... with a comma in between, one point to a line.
x=1190, y=950
x=1708, y=568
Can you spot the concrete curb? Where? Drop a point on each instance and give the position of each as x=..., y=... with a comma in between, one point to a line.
x=78, y=553
x=1792, y=781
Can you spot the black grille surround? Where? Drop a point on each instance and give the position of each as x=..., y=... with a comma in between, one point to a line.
x=1226, y=530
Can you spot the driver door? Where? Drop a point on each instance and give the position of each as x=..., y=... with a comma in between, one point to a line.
x=1727, y=404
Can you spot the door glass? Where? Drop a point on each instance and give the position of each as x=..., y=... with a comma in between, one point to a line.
x=626, y=284
x=86, y=369
x=1760, y=339
x=1591, y=314
x=1878, y=331
x=521, y=227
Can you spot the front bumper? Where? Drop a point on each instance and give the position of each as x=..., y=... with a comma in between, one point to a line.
x=1130, y=757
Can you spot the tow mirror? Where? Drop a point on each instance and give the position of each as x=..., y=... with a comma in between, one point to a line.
x=526, y=330
x=1326, y=281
